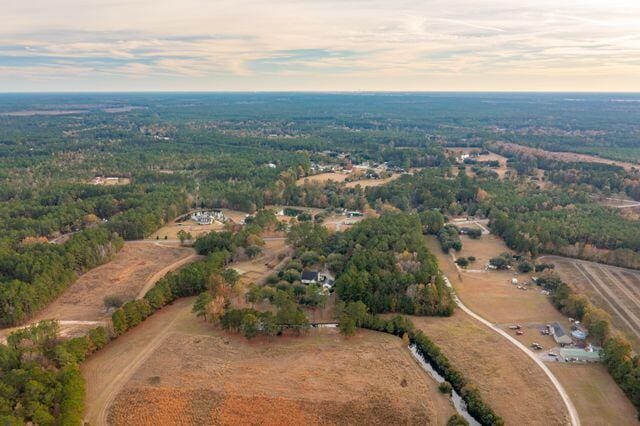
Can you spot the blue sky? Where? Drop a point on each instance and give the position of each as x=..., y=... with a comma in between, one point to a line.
x=561, y=45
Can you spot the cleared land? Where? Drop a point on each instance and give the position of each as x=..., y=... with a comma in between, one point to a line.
x=275, y=252
x=175, y=369
x=565, y=156
x=597, y=397
x=616, y=290
x=364, y=183
x=490, y=293
x=321, y=178
x=170, y=230
x=501, y=170
x=507, y=379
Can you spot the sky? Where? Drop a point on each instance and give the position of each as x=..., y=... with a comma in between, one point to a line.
x=314, y=45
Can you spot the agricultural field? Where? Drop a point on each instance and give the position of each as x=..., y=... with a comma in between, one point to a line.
x=599, y=400
x=175, y=368
x=616, y=290
x=508, y=380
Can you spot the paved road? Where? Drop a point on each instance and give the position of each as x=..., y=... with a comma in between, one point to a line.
x=573, y=413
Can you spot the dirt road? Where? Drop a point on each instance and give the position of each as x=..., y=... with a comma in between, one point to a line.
x=104, y=386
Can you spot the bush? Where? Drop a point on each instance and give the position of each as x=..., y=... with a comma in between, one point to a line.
x=445, y=387
x=113, y=301
x=457, y=420
x=463, y=262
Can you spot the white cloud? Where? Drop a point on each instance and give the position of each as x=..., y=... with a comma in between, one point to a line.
x=237, y=44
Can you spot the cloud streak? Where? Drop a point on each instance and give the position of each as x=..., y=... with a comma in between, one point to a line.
x=313, y=45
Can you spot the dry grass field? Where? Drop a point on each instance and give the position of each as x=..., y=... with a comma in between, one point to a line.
x=124, y=276
x=175, y=369
x=616, y=290
x=322, y=178
x=274, y=252
x=365, y=183
x=502, y=170
x=490, y=293
x=507, y=379
x=170, y=230
x=597, y=397
x=565, y=156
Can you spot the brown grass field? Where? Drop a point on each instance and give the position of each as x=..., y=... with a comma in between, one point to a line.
x=490, y=293
x=170, y=230
x=597, y=397
x=176, y=369
x=124, y=276
x=365, y=183
x=566, y=156
x=616, y=290
x=502, y=170
x=508, y=380
x=322, y=178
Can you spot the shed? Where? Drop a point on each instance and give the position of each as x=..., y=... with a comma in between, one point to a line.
x=591, y=354
x=560, y=335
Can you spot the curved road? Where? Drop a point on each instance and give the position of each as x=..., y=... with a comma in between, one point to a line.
x=573, y=413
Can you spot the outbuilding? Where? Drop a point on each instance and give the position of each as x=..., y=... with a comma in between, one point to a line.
x=560, y=335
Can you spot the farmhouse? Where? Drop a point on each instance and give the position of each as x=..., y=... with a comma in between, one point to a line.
x=207, y=218
x=315, y=277
x=309, y=277
x=560, y=335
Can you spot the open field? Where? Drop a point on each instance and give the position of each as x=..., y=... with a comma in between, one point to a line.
x=565, y=156
x=170, y=230
x=322, y=178
x=508, y=380
x=502, y=170
x=596, y=396
x=364, y=183
x=490, y=293
x=174, y=368
x=125, y=276
x=616, y=290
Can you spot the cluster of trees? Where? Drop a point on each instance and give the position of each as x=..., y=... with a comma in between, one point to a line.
x=561, y=222
x=248, y=237
x=41, y=379
x=449, y=238
x=33, y=275
x=385, y=263
x=252, y=323
x=430, y=189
